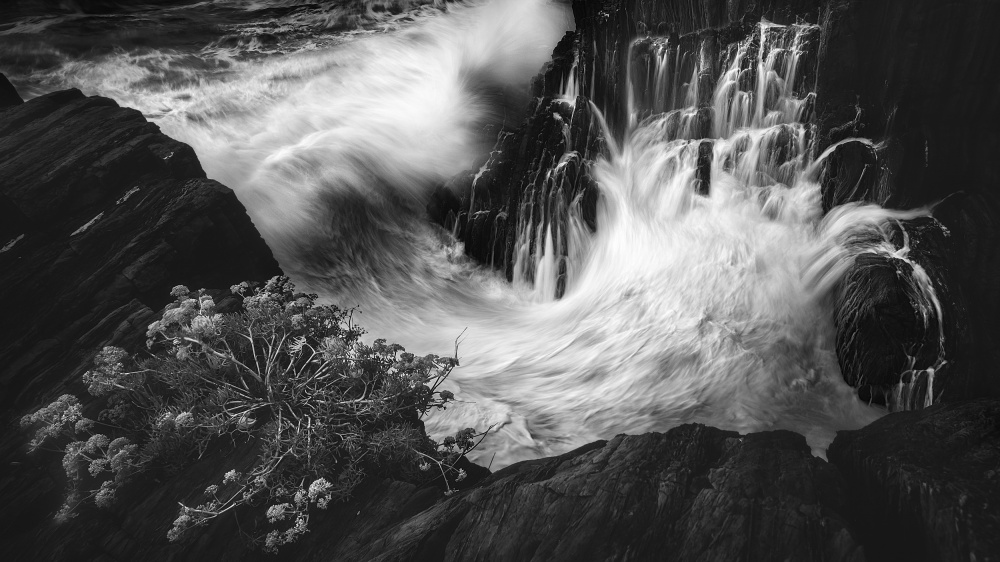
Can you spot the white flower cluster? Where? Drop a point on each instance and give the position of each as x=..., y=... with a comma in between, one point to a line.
x=231, y=476
x=274, y=539
x=319, y=492
x=278, y=512
x=184, y=419
x=62, y=414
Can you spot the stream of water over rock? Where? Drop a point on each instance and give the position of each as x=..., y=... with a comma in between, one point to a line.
x=693, y=300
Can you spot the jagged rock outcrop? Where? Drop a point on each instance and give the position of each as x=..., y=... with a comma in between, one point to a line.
x=693, y=493
x=100, y=215
x=925, y=485
x=912, y=486
x=532, y=174
x=915, y=76
x=104, y=214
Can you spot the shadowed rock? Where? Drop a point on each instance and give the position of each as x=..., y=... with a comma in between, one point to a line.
x=693, y=493
x=925, y=485
x=100, y=215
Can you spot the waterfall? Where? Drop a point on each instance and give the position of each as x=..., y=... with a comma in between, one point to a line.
x=730, y=276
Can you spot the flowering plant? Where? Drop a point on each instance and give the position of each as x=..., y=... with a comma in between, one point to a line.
x=324, y=408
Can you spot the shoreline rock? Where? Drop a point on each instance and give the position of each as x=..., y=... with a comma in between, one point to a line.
x=925, y=485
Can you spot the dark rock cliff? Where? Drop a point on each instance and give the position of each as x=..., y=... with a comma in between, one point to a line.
x=931, y=476
x=100, y=215
x=919, y=76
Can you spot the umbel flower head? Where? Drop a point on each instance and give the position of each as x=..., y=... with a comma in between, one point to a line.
x=277, y=512
x=59, y=416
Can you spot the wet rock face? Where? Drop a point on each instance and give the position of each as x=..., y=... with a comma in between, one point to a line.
x=893, y=342
x=880, y=317
x=100, y=215
x=925, y=485
x=914, y=76
x=699, y=26
x=510, y=201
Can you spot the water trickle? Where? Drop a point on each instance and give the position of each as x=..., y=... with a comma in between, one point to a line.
x=915, y=388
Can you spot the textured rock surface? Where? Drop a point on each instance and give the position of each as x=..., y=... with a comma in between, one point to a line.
x=925, y=485
x=531, y=172
x=105, y=214
x=8, y=94
x=918, y=75
x=29, y=7
x=100, y=215
x=881, y=333
x=693, y=493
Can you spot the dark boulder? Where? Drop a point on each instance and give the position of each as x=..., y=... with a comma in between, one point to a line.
x=900, y=324
x=110, y=214
x=925, y=485
x=875, y=320
x=917, y=75
x=693, y=493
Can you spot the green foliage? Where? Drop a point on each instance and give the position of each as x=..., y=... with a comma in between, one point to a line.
x=323, y=408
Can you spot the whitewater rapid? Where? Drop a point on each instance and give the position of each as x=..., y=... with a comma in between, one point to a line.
x=682, y=307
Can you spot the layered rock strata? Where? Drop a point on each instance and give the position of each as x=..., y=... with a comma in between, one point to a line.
x=100, y=215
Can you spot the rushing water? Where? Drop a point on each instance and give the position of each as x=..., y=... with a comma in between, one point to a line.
x=690, y=303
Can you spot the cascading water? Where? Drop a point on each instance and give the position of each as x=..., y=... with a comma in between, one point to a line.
x=703, y=303
x=703, y=295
